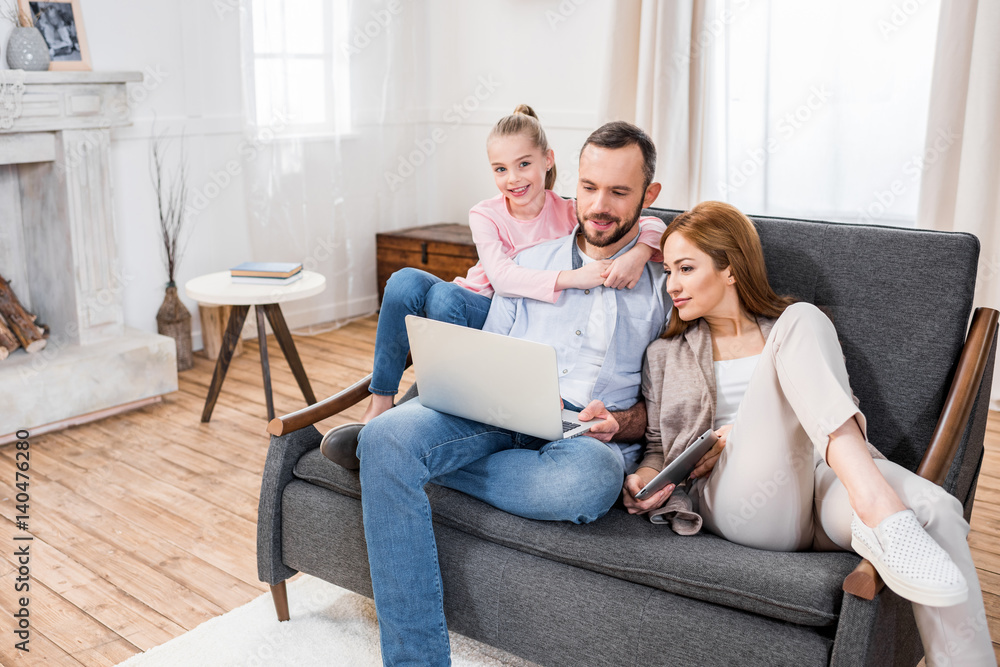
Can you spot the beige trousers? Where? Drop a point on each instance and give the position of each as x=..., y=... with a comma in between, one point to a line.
x=772, y=489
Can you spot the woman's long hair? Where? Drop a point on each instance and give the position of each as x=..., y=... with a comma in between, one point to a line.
x=726, y=235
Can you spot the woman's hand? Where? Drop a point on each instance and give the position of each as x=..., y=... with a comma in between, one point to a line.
x=603, y=430
x=626, y=270
x=711, y=457
x=634, y=483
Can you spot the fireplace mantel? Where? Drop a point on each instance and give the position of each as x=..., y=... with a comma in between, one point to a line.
x=54, y=101
x=58, y=250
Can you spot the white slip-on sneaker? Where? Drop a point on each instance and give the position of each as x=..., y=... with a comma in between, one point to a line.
x=911, y=563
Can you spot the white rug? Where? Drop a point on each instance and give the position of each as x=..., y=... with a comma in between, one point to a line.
x=328, y=626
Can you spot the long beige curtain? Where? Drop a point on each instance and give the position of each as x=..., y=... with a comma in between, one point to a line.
x=960, y=187
x=664, y=76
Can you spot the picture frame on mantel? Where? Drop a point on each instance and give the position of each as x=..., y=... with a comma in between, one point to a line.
x=61, y=25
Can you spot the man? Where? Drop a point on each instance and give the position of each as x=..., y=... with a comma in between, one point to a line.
x=599, y=336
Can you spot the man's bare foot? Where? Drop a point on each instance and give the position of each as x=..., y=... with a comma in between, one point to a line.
x=377, y=406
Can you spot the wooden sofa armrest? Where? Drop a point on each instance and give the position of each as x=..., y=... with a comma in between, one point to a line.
x=328, y=407
x=961, y=396
x=864, y=580
x=319, y=411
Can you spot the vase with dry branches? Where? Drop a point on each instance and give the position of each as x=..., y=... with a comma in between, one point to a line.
x=173, y=319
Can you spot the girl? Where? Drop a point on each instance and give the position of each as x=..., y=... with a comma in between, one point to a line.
x=782, y=407
x=525, y=213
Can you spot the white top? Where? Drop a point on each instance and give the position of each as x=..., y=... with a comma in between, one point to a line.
x=732, y=377
x=577, y=386
x=217, y=289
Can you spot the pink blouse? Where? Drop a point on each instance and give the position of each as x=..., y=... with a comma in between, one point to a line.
x=499, y=236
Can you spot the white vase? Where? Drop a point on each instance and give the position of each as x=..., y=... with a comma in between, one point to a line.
x=26, y=49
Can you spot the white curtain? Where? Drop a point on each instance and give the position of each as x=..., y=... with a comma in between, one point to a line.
x=665, y=76
x=329, y=128
x=960, y=188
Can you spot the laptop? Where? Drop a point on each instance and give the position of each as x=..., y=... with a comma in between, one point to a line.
x=490, y=378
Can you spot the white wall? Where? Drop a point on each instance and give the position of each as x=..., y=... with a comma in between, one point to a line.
x=291, y=203
x=549, y=55
x=192, y=87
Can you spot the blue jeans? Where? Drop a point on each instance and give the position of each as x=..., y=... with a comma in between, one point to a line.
x=577, y=479
x=414, y=292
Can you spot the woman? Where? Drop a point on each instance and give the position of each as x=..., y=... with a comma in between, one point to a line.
x=769, y=376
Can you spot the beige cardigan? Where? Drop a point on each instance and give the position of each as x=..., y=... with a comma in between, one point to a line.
x=681, y=402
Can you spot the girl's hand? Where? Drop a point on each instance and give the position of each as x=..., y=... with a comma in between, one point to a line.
x=626, y=270
x=586, y=277
x=634, y=483
x=711, y=457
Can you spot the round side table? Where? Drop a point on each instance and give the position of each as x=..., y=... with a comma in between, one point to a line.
x=217, y=289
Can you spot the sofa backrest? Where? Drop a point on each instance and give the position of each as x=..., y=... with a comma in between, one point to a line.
x=900, y=299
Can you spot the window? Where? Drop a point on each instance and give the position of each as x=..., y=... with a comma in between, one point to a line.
x=826, y=107
x=300, y=81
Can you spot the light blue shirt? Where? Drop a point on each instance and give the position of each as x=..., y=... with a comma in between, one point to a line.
x=635, y=318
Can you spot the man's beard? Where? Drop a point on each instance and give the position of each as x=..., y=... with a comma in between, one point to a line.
x=613, y=235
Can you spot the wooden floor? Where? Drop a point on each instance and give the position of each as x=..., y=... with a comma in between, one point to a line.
x=144, y=524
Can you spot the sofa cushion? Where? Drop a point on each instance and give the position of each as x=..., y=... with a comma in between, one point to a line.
x=552, y=613
x=803, y=588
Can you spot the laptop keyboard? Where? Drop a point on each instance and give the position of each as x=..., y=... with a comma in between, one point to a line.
x=569, y=426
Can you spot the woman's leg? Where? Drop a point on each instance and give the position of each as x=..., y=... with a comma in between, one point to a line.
x=872, y=497
x=761, y=491
x=956, y=635
x=405, y=294
x=798, y=409
x=450, y=302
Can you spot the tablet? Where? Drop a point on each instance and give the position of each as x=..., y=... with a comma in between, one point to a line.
x=682, y=466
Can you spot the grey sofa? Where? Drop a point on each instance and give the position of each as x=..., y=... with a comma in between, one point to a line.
x=622, y=591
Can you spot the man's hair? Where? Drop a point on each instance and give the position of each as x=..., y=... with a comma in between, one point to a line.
x=619, y=134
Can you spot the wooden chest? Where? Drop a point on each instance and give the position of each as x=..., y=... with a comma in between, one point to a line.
x=445, y=250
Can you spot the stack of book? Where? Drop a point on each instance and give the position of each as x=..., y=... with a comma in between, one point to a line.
x=266, y=273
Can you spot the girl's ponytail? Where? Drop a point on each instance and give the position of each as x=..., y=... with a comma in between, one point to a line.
x=526, y=110
x=524, y=120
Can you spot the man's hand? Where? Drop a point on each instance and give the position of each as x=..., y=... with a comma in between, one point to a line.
x=631, y=422
x=626, y=270
x=634, y=483
x=711, y=457
x=603, y=430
